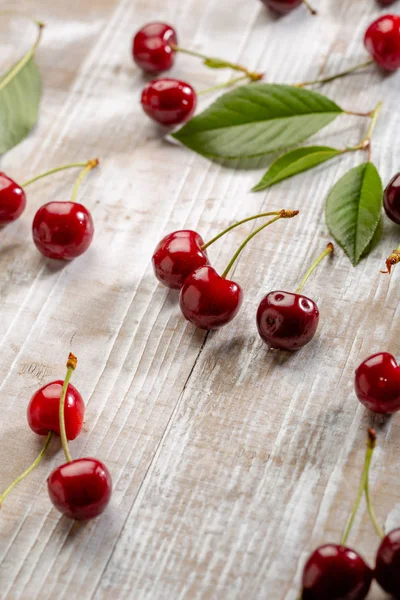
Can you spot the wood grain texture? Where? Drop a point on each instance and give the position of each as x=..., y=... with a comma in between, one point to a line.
x=230, y=463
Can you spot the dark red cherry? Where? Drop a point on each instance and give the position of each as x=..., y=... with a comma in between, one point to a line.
x=151, y=48
x=208, y=300
x=62, y=230
x=282, y=7
x=169, y=101
x=377, y=383
x=391, y=199
x=334, y=572
x=12, y=200
x=382, y=40
x=386, y=2
x=43, y=410
x=287, y=321
x=177, y=255
x=80, y=489
x=387, y=568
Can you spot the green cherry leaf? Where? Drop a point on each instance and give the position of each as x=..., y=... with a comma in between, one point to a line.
x=257, y=119
x=294, y=162
x=353, y=210
x=20, y=91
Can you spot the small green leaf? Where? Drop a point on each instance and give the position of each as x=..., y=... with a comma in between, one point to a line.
x=257, y=119
x=216, y=63
x=20, y=91
x=295, y=162
x=353, y=210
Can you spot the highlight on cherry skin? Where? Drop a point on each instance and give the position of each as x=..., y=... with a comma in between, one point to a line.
x=387, y=566
x=151, y=49
x=43, y=410
x=377, y=383
x=382, y=41
x=12, y=200
x=169, y=101
x=177, y=255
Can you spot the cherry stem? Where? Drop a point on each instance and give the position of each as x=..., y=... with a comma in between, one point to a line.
x=371, y=511
x=365, y=143
x=392, y=260
x=283, y=214
x=259, y=216
x=371, y=442
x=221, y=86
x=328, y=250
x=91, y=164
x=337, y=76
x=216, y=63
x=63, y=168
x=26, y=58
x=71, y=366
x=29, y=470
x=310, y=8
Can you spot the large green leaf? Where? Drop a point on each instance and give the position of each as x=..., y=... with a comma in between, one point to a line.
x=256, y=119
x=353, y=210
x=20, y=91
x=294, y=162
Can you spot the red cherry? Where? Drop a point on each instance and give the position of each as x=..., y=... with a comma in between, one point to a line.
x=177, y=255
x=169, y=101
x=80, y=489
x=282, y=7
x=62, y=230
x=12, y=200
x=43, y=410
x=386, y=2
x=287, y=321
x=334, y=572
x=387, y=569
x=152, y=50
x=391, y=199
x=382, y=40
x=377, y=383
x=208, y=300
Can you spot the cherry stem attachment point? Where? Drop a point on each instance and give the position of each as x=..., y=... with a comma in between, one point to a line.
x=282, y=214
x=336, y=76
x=29, y=470
x=71, y=366
x=328, y=250
x=221, y=86
x=217, y=63
x=392, y=260
x=91, y=164
x=259, y=216
x=310, y=8
x=51, y=171
x=371, y=443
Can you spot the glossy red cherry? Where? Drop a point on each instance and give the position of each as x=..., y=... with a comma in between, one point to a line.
x=287, y=321
x=177, y=255
x=80, y=489
x=62, y=230
x=169, y=101
x=43, y=410
x=377, y=383
x=12, y=200
x=282, y=7
x=391, y=199
x=387, y=568
x=382, y=40
x=334, y=572
x=208, y=300
x=152, y=50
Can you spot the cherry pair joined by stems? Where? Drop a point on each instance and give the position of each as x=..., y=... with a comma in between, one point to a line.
x=283, y=7
x=286, y=320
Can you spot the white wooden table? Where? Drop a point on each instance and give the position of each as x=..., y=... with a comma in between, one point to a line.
x=230, y=463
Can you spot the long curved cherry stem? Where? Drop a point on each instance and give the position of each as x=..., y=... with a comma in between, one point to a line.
x=370, y=508
x=91, y=164
x=371, y=442
x=392, y=260
x=365, y=143
x=283, y=214
x=25, y=59
x=71, y=366
x=221, y=86
x=28, y=470
x=259, y=216
x=216, y=63
x=56, y=170
x=336, y=76
x=328, y=250
x=310, y=8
